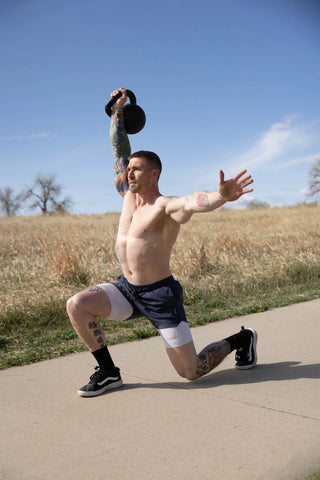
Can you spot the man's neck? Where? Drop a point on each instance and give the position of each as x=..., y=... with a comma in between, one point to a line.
x=148, y=197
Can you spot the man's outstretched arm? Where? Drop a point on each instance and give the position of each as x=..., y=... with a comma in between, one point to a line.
x=120, y=144
x=181, y=209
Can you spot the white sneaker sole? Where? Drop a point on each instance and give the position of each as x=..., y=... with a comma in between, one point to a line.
x=111, y=386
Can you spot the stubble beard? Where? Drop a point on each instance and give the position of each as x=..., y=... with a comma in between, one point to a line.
x=134, y=187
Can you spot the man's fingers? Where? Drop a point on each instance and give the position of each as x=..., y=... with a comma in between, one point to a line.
x=123, y=91
x=245, y=179
x=249, y=190
x=121, y=100
x=245, y=184
x=119, y=90
x=221, y=177
x=239, y=175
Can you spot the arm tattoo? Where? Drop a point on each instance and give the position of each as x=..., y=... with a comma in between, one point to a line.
x=202, y=200
x=121, y=151
x=211, y=356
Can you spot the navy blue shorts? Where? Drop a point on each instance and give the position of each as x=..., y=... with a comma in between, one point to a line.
x=161, y=302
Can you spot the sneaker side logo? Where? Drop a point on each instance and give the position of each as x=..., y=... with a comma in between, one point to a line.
x=107, y=380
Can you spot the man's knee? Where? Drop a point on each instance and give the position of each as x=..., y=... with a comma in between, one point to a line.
x=93, y=302
x=188, y=374
x=74, y=305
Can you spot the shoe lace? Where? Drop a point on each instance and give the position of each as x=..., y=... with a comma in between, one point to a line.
x=97, y=375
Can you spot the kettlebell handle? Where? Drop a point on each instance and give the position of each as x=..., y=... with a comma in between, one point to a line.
x=112, y=101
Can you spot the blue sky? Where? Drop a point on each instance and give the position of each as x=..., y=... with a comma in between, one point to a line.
x=225, y=84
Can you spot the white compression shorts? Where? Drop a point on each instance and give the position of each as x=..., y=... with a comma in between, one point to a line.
x=121, y=310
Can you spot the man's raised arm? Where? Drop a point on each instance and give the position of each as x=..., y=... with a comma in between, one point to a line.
x=119, y=143
x=181, y=209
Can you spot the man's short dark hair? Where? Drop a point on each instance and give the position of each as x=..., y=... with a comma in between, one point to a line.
x=151, y=157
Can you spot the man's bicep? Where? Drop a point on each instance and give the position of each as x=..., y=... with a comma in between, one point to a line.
x=177, y=208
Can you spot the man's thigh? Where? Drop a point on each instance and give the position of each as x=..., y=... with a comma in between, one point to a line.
x=120, y=308
x=104, y=301
x=180, y=349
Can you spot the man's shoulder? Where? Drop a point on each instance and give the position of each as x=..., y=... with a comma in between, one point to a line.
x=163, y=203
x=164, y=200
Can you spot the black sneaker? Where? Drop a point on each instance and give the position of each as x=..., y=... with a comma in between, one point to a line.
x=101, y=381
x=246, y=355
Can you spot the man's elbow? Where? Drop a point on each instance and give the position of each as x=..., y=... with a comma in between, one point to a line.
x=181, y=216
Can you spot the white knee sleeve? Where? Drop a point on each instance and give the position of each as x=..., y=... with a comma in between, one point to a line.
x=176, y=336
x=121, y=309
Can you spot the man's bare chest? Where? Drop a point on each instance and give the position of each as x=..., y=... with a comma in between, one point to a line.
x=143, y=222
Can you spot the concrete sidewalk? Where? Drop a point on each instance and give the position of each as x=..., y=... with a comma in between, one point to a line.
x=260, y=424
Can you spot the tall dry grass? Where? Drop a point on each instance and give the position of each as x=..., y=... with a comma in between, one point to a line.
x=249, y=247
x=230, y=262
x=49, y=258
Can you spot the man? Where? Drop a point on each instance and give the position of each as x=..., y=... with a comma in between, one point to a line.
x=148, y=228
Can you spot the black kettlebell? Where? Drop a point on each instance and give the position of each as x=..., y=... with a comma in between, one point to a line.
x=133, y=115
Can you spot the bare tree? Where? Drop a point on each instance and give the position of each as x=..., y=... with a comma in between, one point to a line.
x=9, y=202
x=314, y=178
x=46, y=192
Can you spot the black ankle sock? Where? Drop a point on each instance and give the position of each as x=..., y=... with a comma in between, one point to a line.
x=236, y=340
x=103, y=358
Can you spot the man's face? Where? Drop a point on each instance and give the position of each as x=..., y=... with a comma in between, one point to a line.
x=140, y=176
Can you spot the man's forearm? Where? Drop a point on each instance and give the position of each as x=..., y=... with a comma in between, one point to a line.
x=205, y=201
x=181, y=209
x=121, y=150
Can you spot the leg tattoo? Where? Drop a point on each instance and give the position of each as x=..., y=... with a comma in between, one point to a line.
x=95, y=288
x=211, y=356
x=97, y=332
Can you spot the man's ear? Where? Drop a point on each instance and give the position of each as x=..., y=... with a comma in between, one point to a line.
x=156, y=173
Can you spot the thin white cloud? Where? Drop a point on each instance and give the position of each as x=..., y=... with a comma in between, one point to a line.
x=309, y=159
x=32, y=136
x=277, y=142
x=285, y=146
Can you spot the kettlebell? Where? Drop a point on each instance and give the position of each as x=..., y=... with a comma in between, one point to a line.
x=133, y=115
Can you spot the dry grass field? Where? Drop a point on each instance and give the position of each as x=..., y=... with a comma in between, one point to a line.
x=230, y=262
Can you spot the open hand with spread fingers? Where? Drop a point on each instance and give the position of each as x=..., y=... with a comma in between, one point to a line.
x=232, y=189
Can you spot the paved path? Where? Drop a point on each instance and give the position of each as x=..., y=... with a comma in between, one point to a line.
x=260, y=424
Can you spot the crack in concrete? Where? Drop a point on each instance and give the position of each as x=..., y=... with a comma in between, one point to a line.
x=193, y=389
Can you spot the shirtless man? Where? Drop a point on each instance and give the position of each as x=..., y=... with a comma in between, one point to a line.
x=148, y=228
